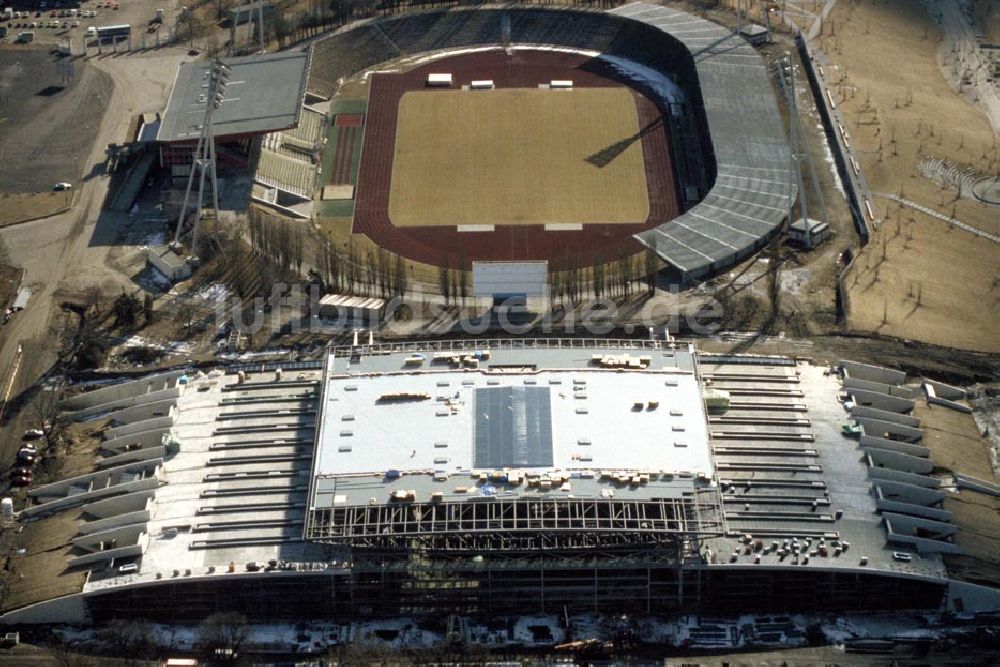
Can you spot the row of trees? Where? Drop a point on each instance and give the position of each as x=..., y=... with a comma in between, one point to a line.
x=348, y=270
x=293, y=246
x=618, y=279
x=282, y=241
x=347, y=9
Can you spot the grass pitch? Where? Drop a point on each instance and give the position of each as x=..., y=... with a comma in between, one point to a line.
x=518, y=156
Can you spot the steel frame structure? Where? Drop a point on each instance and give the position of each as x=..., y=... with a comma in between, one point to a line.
x=519, y=524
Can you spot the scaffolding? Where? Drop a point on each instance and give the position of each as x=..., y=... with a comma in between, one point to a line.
x=518, y=524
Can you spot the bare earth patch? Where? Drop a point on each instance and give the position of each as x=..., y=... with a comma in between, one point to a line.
x=19, y=207
x=931, y=282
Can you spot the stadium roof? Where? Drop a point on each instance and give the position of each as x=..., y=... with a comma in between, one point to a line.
x=750, y=198
x=264, y=94
x=460, y=421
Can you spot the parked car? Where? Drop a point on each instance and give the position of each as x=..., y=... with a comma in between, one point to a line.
x=26, y=457
x=59, y=187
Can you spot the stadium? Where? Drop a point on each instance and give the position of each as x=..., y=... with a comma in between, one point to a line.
x=501, y=476
x=504, y=476
x=534, y=134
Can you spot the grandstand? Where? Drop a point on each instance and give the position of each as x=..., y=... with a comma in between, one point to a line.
x=731, y=157
x=503, y=476
x=285, y=171
x=286, y=160
x=266, y=95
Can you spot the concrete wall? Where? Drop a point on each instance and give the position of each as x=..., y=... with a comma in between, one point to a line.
x=856, y=369
x=144, y=411
x=116, y=521
x=91, y=479
x=66, y=609
x=131, y=502
x=118, y=392
x=78, y=499
x=151, y=438
x=934, y=399
x=963, y=596
x=946, y=390
x=139, y=427
x=897, y=461
x=881, y=401
x=884, y=415
x=106, y=409
x=123, y=536
x=879, y=428
x=908, y=493
x=99, y=556
x=882, y=388
x=134, y=455
x=980, y=485
x=908, y=525
x=905, y=477
x=925, y=546
x=868, y=441
x=914, y=510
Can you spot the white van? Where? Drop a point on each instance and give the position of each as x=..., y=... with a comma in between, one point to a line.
x=91, y=32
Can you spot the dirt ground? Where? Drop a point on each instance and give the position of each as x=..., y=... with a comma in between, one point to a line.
x=919, y=278
x=954, y=440
x=957, y=445
x=40, y=573
x=976, y=516
x=46, y=126
x=517, y=156
x=22, y=206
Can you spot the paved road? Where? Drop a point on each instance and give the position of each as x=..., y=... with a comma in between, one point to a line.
x=940, y=216
x=70, y=251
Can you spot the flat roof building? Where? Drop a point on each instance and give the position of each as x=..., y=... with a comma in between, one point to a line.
x=500, y=476
x=264, y=94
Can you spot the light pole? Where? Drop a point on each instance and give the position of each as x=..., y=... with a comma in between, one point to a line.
x=204, y=156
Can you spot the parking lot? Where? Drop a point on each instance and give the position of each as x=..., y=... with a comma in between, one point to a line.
x=47, y=122
x=59, y=22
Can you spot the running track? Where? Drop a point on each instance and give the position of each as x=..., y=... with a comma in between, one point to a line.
x=435, y=245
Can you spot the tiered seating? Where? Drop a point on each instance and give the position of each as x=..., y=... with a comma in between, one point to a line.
x=310, y=128
x=575, y=29
x=408, y=28
x=344, y=54
x=284, y=173
x=433, y=31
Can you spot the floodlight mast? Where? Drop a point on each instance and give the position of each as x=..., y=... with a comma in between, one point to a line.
x=204, y=155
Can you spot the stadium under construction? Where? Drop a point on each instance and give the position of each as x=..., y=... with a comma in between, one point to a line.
x=499, y=476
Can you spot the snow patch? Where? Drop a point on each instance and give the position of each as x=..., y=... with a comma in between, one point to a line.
x=170, y=347
x=666, y=91
x=211, y=292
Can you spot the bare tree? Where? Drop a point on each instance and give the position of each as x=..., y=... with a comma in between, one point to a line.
x=223, y=635
x=131, y=639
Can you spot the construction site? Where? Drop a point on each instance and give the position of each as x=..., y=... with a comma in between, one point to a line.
x=491, y=477
x=584, y=329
